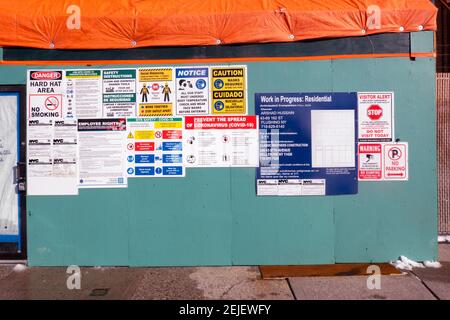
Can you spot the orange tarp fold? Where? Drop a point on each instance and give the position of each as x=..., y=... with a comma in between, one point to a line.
x=100, y=24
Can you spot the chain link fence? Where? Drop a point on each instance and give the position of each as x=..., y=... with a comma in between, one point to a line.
x=443, y=150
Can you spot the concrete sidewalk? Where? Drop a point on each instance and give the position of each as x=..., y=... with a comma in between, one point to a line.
x=419, y=284
x=218, y=283
x=143, y=283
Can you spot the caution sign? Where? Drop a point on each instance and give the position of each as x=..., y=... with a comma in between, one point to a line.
x=370, y=161
x=229, y=90
x=396, y=161
x=156, y=92
x=45, y=94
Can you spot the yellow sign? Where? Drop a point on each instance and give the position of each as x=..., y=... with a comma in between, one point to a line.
x=144, y=134
x=155, y=109
x=168, y=125
x=229, y=92
x=155, y=74
x=130, y=136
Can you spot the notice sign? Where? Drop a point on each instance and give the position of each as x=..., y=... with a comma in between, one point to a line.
x=102, y=156
x=229, y=90
x=83, y=93
x=155, y=147
x=45, y=94
x=156, y=92
x=395, y=165
x=307, y=143
x=192, y=91
x=52, y=157
x=376, y=116
x=370, y=161
x=221, y=141
x=119, y=93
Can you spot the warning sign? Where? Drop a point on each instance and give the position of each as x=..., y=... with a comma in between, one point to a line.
x=395, y=165
x=370, y=161
x=45, y=94
x=376, y=116
x=229, y=90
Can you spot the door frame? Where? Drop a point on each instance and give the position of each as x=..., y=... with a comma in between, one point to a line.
x=22, y=147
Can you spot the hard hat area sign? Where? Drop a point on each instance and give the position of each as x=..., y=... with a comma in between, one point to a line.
x=396, y=161
x=45, y=94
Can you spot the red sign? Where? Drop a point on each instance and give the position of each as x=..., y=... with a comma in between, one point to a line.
x=172, y=134
x=221, y=122
x=155, y=87
x=375, y=112
x=145, y=146
x=45, y=75
x=369, y=161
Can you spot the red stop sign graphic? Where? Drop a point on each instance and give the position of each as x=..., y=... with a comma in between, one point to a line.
x=375, y=112
x=155, y=86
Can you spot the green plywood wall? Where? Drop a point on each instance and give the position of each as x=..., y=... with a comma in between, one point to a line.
x=213, y=217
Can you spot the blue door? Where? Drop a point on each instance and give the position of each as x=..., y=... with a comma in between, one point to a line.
x=12, y=183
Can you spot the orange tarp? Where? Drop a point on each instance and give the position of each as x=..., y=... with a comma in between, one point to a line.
x=103, y=24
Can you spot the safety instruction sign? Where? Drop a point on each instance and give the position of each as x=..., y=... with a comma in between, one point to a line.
x=229, y=90
x=83, y=93
x=370, y=161
x=221, y=141
x=102, y=155
x=376, y=116
x=45, y=94
x=307, y=143
x=395, y=166
x=154, y=147
x=192, y=87
x=119, y=93
x=156, y=91
x=52, y=157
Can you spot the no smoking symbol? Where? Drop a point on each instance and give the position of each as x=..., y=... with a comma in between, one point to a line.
x=158, y=134
x=52, y=103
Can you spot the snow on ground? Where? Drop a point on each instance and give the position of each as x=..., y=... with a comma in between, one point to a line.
x=19, y=267
x=403, y=263
x=443, y=239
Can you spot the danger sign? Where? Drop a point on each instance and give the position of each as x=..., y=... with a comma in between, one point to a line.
x=395, y=161
x=376, y=116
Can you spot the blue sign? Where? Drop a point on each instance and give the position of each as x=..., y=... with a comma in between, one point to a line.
x=308, y=143
x=145, y=158
x=173, y=171
x=172, y=146
x=172, y=158
x=145, y=171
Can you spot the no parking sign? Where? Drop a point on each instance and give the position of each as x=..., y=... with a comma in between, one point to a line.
x=396, y=161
